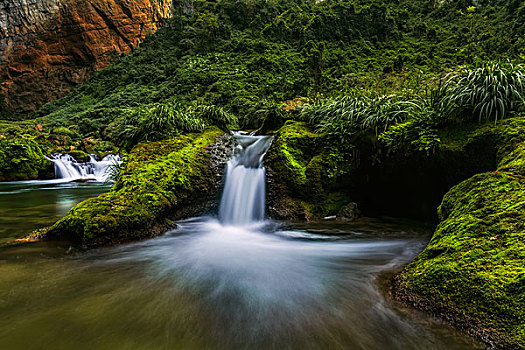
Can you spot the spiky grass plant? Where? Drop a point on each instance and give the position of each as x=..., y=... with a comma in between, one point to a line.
x=384, y=111
x=489, y=92
x=215, y=115
x=344, y=116
x=155, y=122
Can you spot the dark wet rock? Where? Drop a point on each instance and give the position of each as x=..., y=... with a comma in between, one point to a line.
x=349, y=212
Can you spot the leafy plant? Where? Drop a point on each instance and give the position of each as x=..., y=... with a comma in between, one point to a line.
x=345, y=116
x=383, y=111
x=489, y=92
x=215, y=115
x=412, y=135
x=153, y=123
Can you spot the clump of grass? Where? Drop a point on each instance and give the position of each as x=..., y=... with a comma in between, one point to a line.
x=215, y=115
x=488, y=93
x=158, y=121
x=153, y=123
x=344, y=116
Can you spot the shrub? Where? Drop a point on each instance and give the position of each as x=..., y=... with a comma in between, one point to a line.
x=344, y=116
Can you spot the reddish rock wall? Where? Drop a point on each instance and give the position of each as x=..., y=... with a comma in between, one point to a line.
x=49, y=46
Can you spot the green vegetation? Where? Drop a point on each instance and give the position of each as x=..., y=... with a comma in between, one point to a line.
x=247, y=57
x=23, y=160
x=342, y=66
x=489, y=92
x=161, y=121
x=309, y=173
x=474, y=262
x=159, y=179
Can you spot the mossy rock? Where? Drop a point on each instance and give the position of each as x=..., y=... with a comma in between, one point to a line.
x=22, y=159
x=63, y=131
x=412, y=184
x=475, y=263
x=80, y=156
x=161, y=181
x=305, y=174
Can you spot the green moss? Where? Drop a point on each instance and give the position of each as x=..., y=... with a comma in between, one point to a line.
x=159, y=179
x=22, y=159
x=290, y=154
x=63, y=131
x=80, y=156
x=475, y=260
x=310, y=168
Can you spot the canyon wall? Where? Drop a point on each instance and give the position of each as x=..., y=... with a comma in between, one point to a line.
x=47, y=47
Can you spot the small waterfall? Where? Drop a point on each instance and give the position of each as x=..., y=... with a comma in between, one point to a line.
x=67, y=167
x=244, y=197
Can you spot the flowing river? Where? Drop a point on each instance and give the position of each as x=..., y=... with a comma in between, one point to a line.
x=235, y=281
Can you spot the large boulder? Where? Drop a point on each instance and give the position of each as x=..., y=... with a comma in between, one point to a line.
x=473, y=272
x=162, y=181
x=306, y=174
x=22, y=159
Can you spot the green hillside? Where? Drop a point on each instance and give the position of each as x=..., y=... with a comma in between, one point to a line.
x=248, y=56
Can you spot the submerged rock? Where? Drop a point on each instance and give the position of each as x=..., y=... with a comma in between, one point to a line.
x=162, y=181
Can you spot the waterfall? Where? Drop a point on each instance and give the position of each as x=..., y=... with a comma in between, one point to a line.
x=67, y=167
x=244, y=196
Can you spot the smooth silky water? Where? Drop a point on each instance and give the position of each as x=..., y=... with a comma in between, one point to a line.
x=28, y=205
x=232, y=282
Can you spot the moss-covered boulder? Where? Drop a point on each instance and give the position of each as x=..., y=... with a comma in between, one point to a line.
x=22, y=159
x=80, y=156
x=473, y=270
x=162, y=181
x=305, y=174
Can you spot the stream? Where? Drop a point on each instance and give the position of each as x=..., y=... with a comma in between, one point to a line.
x=28, y=205
x=235, y=281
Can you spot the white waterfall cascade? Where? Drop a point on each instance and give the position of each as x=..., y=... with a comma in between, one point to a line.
x=244, y=197
x=68, y=168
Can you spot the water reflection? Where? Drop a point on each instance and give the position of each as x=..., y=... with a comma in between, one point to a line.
x=28, y=205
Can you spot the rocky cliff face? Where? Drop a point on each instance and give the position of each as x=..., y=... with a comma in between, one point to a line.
x=49, y=46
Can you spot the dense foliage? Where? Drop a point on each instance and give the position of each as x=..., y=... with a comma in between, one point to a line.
x=491, y=91
x=248, y=57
